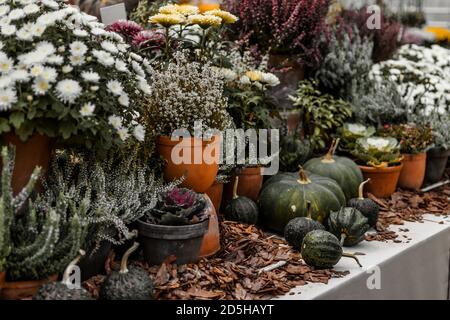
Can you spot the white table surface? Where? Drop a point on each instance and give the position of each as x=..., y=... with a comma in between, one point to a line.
x=415, y=270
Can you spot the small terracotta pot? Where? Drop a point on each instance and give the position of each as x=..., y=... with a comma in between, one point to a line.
x=36, y=151
x=250, y=184
x=215, y=194
x=211, y=239
x=17, y=290
x=199, y=173
x=383, y=181
x=436, y=163
x=2, y=279
x=413, y=172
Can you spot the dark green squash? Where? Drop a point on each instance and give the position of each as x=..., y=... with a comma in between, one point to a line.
x=64, y=290
x=298, y=228
x=322, y=250
x=343, y=170
x=366, y=206
x=284, y=197
x=349, y=225
x=128, y=283
x=241, y=209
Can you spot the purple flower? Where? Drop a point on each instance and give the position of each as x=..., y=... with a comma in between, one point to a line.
x=127, y=29
x=147, y=39
x=180, y=197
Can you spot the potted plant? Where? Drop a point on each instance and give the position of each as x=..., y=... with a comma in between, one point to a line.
x=414, y=142
x=175, y=226
x=350, y=132
x=39, y=242
x=380, y=161
x=73, y=83
x=188, y=96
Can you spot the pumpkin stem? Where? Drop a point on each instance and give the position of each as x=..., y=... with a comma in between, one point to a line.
x=69, y=268
x=361, y=189
x=124, y=262
x=309, y=210
x=343, y=237
x=328, y=158
x=349, y=255
x=303, y=178
x=235, y=187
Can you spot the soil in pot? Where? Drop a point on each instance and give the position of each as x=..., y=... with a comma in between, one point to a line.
x=436, y=163
x=413, y=171
x=383, y=181
x=93, y=263
x=17, y=290
x=211, y=239
x=215, y=193
x=250, y=184
x=160, y=242
x=186, y=158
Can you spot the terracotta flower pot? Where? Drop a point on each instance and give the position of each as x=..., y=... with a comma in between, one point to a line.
x=215, y=194
x=16, y=290
x=200, y=173
x=383, y=181
x=2, y=279
x=211, y=239
x=250, y=184
x=36, y=151
x=436, y=163
x=413, y=172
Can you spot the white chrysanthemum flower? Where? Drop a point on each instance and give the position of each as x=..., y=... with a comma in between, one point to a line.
x=8, y=30
x=68, y=90
x=24, y=33
x=78, y=48
x=6, y=82
x=16, y=14
x=80, y=33
x=113, y=36
x=87, y=109
x=103, y=57
x=7, y=98
x=77, y=60
x=51, y=4
x=40, y=86
x=121, y=66
x=20, y=75
x=31, y=8
x=55, y=59
x=122, y=47
x=139, y=133
x=5, y=21
x=47, y=19
x=144, y=87
x=31, y=58
x=90, y=76
x=4, y=10
x=67, y=69
x=115, y=87
x=45, y=48
x=270, y=79
x=6, y=64
x=124, y=100
x=94, y=88
x=61, y=49
x=109, y=46
x=98, y=31
x=244, y=80
x=137, y=68
x=115, y=121
x=37, y=30
x=136, y=57
x=36, y=70
x=123, y=133
x=49, y=74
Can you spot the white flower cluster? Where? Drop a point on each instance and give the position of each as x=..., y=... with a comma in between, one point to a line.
x=435, y=55
x=37, y=61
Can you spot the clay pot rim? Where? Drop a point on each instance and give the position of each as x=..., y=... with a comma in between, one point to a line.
x=382, y=170
x=166, y=141
x=408, y=156
x=250, y=171
x=23, y=284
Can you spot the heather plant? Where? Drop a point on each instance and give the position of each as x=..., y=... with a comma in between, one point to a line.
x=288, y=27
x=413, y=138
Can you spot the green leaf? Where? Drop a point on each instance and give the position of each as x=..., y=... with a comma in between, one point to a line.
x=4, y=125
x=16, y=119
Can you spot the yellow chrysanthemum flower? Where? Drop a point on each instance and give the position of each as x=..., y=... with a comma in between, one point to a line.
x=167, y=20
x=169, y=9
x=187, y=10
x=205, y=21
x=254, y=75
x=224, y=15
x=441, y=34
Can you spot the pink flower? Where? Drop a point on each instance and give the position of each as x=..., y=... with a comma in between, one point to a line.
x=153, y=39
x=127, y=29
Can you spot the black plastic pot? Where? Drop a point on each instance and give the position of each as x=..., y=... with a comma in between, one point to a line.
x=436, y=164
x=93, y=263
x=159, y=242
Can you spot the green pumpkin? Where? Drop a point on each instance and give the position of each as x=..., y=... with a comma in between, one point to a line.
x=241, y=209
x=296, y=229
x=128, y=283
x=322, y=250
x=366, y=206
x=349, y=225
x=285, y=197
x=63, y=290
x=343, y=170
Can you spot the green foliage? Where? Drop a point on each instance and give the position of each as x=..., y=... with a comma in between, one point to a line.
x=377, y=151
x=145, y=9
x=413, y=138
x=293, y=151
x=321, y=113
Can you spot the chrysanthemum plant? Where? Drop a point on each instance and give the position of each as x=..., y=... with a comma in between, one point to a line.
x=64, y=76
